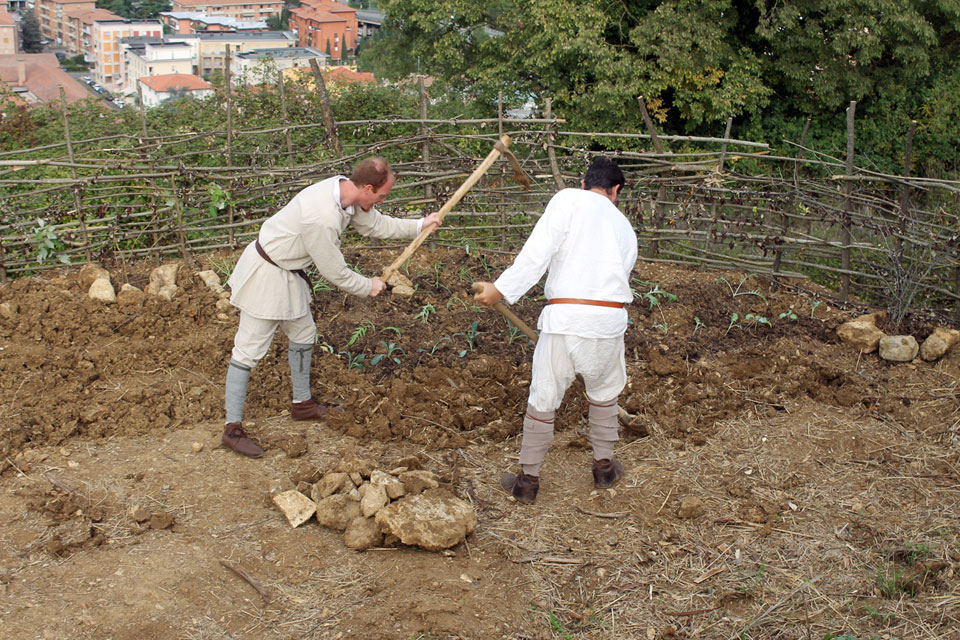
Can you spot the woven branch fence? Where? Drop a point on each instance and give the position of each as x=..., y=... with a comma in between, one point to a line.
x=790, y=212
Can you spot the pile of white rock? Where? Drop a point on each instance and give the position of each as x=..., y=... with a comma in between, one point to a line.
x=163, y=284
x=376, y=508
x=864, y=334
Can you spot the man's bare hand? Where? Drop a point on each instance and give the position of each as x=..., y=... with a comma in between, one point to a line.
x=376, y=286
x=489, y=296
x=432, y=222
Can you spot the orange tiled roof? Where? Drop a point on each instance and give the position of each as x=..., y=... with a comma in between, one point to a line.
x=203, y=3
x=43, y=77
x=93, y=15
x=328, y=5
x=343, y=74
x=308, y=13
x=173, y=81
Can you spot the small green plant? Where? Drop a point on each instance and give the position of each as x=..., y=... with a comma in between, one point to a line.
x=754, y=319
x=698, y=324
x=47, y=243
x=813, y=306
x=436, y=345
x=470, y=335
x=360, y=333
x=455, y=298
x=558, y=628
x=733, y=322
x=426, y=311
x=219, y=199
x=464, y=275
x=223, y=267
x=323, y=345
x=665, y=327
x=915, y=552
x=789, y=315
x=394, y=329
x=737, y=292
x=354, y=361
x=513, y=332
x=881, y=617
x=653, y=297
x=391, y=351
x=890, y=585
x=320, y=284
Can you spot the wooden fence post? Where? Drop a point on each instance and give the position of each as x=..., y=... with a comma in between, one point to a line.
x=425, y=145
x=845, y=236
x=551, y=152
x=283, y=112
x=73, y=174
x=228, y=81
x=658, y=205
x=905, y=188
x=3, y=266
x=182, y=236
x=794, y=206
x=325, y=108
x=713, y=206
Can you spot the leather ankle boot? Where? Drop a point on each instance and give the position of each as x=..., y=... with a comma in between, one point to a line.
x=606, y=472
x=521, y=486
x=235, y=438
x=308, y=410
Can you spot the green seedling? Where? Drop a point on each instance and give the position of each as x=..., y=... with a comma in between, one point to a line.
x=47, y=243
x=698, y=324
x=394, y=329
x=391, y=350
x=754, y=319
x=890, y=585
x=665, y=327
x=320, y=284
x=813, y=306
x=789, y=315
x=653, y=297
x=456, y=298
x=353, y=361
x=426, y=311
x=323, y=345
x=733, y=323
x=471, y=337
x=512, y=332
x=737, y=292
x=436, y=345
x=360, y=333
x=223, y=268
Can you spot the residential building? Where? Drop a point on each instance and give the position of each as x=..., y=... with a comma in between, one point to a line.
x=244, y=10
x=248, y=67
x=17, y=5
x=157, y=89
x=144, y=58
x=368, y=23
x=326, y=25
x=211, y=47
x=9, y=34
x=107, y=36
x=36, y=78
x=194, y=21
x=86, y=21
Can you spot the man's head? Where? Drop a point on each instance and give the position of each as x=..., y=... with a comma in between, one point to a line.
x=373, y=178
x=604, y=174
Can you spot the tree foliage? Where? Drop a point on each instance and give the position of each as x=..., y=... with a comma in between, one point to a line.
x=30, y=37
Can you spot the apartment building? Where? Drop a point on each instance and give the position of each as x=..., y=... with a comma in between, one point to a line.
x=326, y=25
x=246, y=11
x=86, y=21
x=107, y=36
x=210, y=48
x=157, y=89
x=54, y=18
x=9, y=34
x=146, y=57
x=194, y=21
x=250, y=67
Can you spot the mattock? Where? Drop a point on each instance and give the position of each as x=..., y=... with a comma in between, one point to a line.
x=499, y=148
x=510, y=315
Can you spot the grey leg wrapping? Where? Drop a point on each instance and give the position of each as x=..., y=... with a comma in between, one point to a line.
x=236, y=390
x=604, y=428
x=299, y=356
x=537, y=436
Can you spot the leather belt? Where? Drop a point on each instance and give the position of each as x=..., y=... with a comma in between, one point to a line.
x=596, y=303
x=299, y=272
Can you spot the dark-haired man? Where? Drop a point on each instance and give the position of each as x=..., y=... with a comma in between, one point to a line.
x=272, y=290
x=588, y=249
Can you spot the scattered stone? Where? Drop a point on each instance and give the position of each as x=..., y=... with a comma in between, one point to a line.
x=938, y=343
x=362, y=533
x=212, y=280
x=139, y=514
x=329, y=484
x=899, y=348
x=304, y=487
x=373, y=499
x=167, y=292
x=862, y=332
x=9, y=309
x=337, y=511
x=690, y=507
x=129, y=296
x=433, y=520
x=356, y=478
x=102, y=290
x=412, y=463
x=223, y=304
x=197, y=447
x=391, y=484
x=163, y=276
x=295, y=506
x=351, y=464
x=161, y=521
x=401, y=285
x=418, y=481
x=90, y=273
x=294, y=446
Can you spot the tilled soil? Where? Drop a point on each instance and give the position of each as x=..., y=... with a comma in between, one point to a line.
x=760, y=453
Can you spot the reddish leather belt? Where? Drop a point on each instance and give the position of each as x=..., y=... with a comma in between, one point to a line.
x=596, y=303
x=299, y=272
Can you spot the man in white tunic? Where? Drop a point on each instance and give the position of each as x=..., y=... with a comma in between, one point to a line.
x=588, y=249
x=272, y=290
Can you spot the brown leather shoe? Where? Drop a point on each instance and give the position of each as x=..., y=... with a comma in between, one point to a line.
x=523, y=487
x=308, y=410
x=235, y=438
x=606, y=472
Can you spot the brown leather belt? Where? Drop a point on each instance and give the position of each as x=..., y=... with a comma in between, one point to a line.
x=596, y=303
x=299, y=272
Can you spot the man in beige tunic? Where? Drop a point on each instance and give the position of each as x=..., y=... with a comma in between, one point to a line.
x=272, y=290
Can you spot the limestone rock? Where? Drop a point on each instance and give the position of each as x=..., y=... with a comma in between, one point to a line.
x=362, y=533
x=410, y=462
x=167, y=292
x=337, y=511
x=9, y=309
x=212, y=280
x=90, y=273
x=353, y=464
x=392, y=485
x=328, y=485
x=102, y=290
x=862, y=332
x=129, y=296
x=374, y=499
x=402, y=290
x=400, y=280
x=690, y=507
x=938, y=343
x=163, y=276
x=295, y=506
x=433, y=520
x=418, y=480
x=223, y=304
x=899, y=348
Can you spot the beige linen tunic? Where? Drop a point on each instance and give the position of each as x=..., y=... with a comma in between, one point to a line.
x=306, y=230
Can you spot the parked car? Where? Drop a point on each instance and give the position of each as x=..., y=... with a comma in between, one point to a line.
x=87, y=79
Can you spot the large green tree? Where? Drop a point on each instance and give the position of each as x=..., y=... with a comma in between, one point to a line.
x=30, y=38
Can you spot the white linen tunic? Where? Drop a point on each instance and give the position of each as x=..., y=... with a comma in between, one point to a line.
x=306, y=230
x=588, y=248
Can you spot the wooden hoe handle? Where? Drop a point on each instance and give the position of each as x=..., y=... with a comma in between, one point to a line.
x=510, y=315
x=499, y=147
